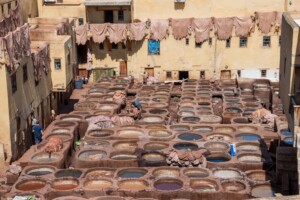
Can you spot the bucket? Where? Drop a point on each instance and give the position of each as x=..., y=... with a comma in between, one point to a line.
x=78, y=84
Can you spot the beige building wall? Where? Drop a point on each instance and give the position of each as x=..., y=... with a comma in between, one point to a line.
x=29, y=8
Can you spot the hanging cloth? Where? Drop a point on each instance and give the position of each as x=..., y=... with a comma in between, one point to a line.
x=223, y=27
x=243, y=26
x=25, y=40
x=3, y=52
x=17, y=16
x=117, y=33
x=3, y=28
x=265, y=21
x=159, y=29
x=181, y=27
x=202, y=27
x=278, y=21
x=81, y=34
x=137, y=31
x=153, y=46
x=9, y=48
x=98, y=32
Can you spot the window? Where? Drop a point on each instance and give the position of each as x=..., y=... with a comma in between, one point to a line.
x=198, y=45
x=210, y=41
x=108, y=16
x=69, y=59
x=228, y=43
x=25, y=73
x=266, y=41
x=279, y=40
x=187, y=41
x=202, y=74
x=153, y=47
x=120, y=15
x=2, y=10
x=57, y=64
x=13, y=83
x=239, y=73
x=80, y=21
x=114, y=46
x=101, y=46
x=263, y=73
x=243, y=42
x=169, y=74
x=8, y=6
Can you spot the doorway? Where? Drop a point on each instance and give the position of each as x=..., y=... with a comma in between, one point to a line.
x=183, y=75
x=109, y=16
x=150, y=71
x=225, y=74
x=123, y=68
x=82, y=54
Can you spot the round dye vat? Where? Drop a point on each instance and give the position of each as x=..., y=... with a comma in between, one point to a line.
x=196, y=173
x=125, y=146
x=241, y=121
x=203, y=129
x=186, y=146
x=250, y=158
x=166, y=172
x=179, y=128
x=204, y=185
x=124, y=156
x=99, y=172
x=132, y=173
x=64, y=136
x=71, y=118
x=186, y=113
x=225, y=129
x=168, y=184
x=189, y=136
x=233, y=186
x=262, y=190
x=92, y=155
x=247, y=146
x=286, y=132
x=68, y=173
x=248, y=137
x=60, y=130
x=216, y=146
x=160, y=133
x=64, y=184
x=130, y=133
x=227, y=173
x=154, y=126
x=191, y=119
x=31, y=184
x=45, y=158
x=133, y=185
x=288, y=140
x=247, y=128
x=153, y=157
x=100, y=133
x=97, y=184
x=98, y=144
x=158, y=111
x=233, y=110
x=218, y=157
x=259, y=176
x=219, y=137
x=155, y=146
x=152, y=119
x=40, y=171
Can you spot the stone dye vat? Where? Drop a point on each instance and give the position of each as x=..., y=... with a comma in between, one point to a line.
x=154, y=159
x=97, y=184
x=227, y=173
x=46, y=158
x=186, y=146
x=133, y=185
x=31, y=185
x=189, y=136
x=166, y=172
x=155, y=146
x=250, y=157
x=91, y=155
x=248, y=137
x=99, y=133
x=74, y=173
x=64, y=184
x=234, y=185
x=130, y=133
x=217, y=146
x=99, y=173
x=132, y=173
x=204, y=185
x=39, y=171
x=262, y=190
x=168, y=184
x=219, y=137
x=159, y=134
x=218, y=157
x=95, y=144
x=125, y=146
x=123, y=156
x=196, y=172
x=248, y=146
x=259, y=176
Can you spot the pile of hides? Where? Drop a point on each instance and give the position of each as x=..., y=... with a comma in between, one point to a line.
x=263, y=116
x=11, y=22
x=100, y=121
x=122, y=121
x=41, y=59
x=119, y=97
x=54, y=144
x=14, y=169
x=186, y=158
x=15, y=46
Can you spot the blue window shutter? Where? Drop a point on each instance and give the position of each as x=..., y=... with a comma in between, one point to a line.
x=153, y=47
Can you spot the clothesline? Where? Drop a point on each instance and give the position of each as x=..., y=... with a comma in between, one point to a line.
x=181, y=28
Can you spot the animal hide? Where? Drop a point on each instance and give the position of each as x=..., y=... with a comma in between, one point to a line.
x=137, y=31
x=54, y=144
x=181, y=27
x=202, y=27
x=243, y=26
x=223, y=27
x=81, y=34
x=98, y=32
x=159, y=29
x=117, y=33
x=265, y=21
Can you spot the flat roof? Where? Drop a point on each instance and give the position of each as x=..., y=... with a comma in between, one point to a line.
x=107, y=2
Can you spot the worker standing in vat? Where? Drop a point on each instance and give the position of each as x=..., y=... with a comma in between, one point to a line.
x=137, y=110
x=38, y=132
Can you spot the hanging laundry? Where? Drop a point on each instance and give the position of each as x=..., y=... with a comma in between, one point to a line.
x=25, y=40
x=243, y=26
x=3, y=28
x=45, y=59
x=117, y=33
x=202, y=27
x=223, y=27
x=81, y=34
x=159, y=29
x=181, y=27
x=36, y=65
x=17, y=47
x=3, y=52
x=278, y=21
x=98, y=32
x=137, y=31
x=16, y=15
x=265, y=21
x=9, y=48
x=8, y=23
